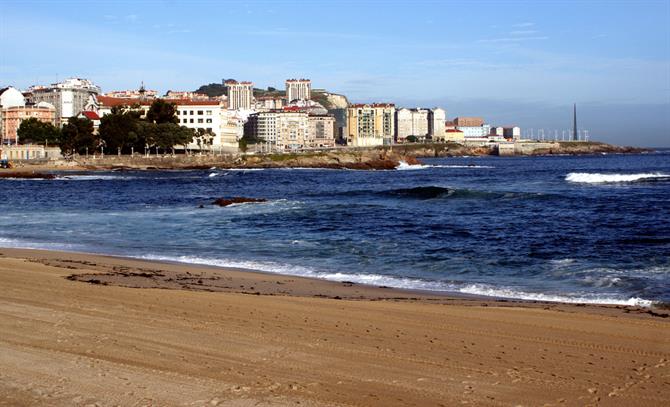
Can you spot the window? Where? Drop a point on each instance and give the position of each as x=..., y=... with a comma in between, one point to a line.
x=191, y=120
x=199, y=112
x=201, y=121
x=209, y=120
x=191, y=112
x=209, y=113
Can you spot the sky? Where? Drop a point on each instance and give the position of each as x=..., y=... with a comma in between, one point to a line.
x=512, y=62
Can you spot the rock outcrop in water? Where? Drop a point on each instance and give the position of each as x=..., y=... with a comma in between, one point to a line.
x=26, y=175
x=236, y=200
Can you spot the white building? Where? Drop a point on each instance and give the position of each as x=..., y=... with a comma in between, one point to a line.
x=508, y=132
x=475, y=131
x=232, y=129
x=68, y=97
x=411, y=122
x=298, y=89
x=240, y=95
x=208, y=115
x=436, y=122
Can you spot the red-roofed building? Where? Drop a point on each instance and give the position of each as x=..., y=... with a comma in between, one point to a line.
x=92, y=116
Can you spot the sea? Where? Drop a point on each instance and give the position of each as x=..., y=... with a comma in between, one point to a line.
x=579, y=229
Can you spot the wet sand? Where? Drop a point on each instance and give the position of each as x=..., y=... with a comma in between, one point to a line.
x=80, y=329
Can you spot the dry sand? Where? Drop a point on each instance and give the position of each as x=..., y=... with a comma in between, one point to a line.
x=210, y=336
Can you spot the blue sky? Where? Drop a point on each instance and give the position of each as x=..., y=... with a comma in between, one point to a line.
x=514, y=62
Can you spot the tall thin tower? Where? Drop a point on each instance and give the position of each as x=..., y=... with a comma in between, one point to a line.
x=575, y=135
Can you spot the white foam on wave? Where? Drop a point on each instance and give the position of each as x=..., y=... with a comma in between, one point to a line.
x=402, y=283
x=22, y=244
x=403, y=166
x=597, y=178
x=490, y=291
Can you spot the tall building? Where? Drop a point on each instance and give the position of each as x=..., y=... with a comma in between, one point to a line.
x=68, y=97
x=300, y=89
x=370, y=125
x=281, y=130
x=240, y=94
x=436, y=122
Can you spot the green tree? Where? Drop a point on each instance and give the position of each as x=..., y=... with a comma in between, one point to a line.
x=33, y=130
x=162, y=112
x=119, y=129
x=77, y=136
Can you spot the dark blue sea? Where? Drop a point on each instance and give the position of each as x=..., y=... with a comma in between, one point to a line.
x=574, y=229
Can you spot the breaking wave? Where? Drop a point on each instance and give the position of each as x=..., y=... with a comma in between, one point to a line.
x=403, y=166
x=597, y=178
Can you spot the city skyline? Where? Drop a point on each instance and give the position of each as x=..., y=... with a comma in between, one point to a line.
x=516, y=63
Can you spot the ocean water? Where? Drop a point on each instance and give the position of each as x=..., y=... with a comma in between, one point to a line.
x=590, y=229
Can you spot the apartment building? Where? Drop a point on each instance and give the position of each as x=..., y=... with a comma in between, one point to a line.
x=370, y=124
x=298, y=89
x=281, y=130
x=240, y=94
x=321, y=132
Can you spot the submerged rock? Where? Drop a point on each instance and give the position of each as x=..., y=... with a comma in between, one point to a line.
x=236, y=200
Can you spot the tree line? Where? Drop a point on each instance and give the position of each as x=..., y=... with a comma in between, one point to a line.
x=124, y=129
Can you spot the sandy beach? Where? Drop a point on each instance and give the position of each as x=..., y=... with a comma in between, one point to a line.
x=86, y=330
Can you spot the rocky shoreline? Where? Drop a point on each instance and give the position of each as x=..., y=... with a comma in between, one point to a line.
x=374, y=158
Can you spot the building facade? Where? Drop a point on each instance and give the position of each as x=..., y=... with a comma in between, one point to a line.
x=12, y=117
x=475, y=131
x=436, y=122
x=321, y=132
x=411, y=122
x=240, y=95
x=68, y=97
x=298, y=89
x=508, y=132
x=207, y=115
x=29, y=152
x=281, y=130
x=370, y=124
